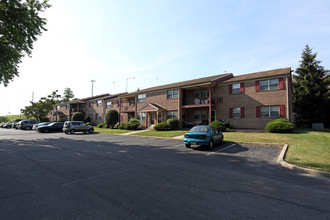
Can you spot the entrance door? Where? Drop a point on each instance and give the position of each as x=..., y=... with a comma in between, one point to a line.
x=213, y=116
x=152, y=118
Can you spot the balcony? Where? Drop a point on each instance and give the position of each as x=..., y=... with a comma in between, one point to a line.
x=197, y=103
x=127, y=109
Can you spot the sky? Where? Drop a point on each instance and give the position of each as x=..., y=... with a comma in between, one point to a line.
x=163, y=41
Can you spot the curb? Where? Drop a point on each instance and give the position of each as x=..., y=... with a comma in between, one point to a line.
x=287, y=165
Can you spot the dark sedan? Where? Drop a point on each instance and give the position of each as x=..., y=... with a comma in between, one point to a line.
x=52, y=127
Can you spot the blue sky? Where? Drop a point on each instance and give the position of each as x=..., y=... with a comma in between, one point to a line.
x=164, y=41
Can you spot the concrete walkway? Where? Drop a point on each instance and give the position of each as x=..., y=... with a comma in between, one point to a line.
x=133, y=132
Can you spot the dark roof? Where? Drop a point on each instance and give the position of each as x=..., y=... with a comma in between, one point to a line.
x=94, y=97
x=258, y=75
x=192, y=82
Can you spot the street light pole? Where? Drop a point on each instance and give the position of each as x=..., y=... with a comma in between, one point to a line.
x=127, y=81
x=92, y=86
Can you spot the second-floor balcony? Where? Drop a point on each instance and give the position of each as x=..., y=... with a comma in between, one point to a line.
x=129, y=108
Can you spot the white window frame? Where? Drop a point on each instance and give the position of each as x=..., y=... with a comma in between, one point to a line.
x=172, y=114
x=172, y=94
x=98, y=116
x=142, y=116
x=269, y=84
x=142, y=97
x=99, y=102
x=109, y=104
x=236, y=112
x=270, y=111
x=236, y=89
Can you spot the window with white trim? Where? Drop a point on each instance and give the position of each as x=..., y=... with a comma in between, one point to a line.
x=236, y=112
x=172, y=94
x=109, y=104
x=99, y=103
x=142, y=116
x=270, y=111
x=268, y=84
x=99, y=116
x=172, y=114
x=236, y=88
x=142, y=97
x=131, y=101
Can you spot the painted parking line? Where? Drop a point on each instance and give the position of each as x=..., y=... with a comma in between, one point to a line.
x=221, y=149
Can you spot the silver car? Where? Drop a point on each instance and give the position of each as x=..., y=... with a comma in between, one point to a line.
x=77, y=126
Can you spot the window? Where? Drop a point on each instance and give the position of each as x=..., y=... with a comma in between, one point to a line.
x=98, y=116
x=142, y=97
x=67, y=106
x=236, y=88
x=99, y=103
x=90, y=116
x=200, y=114
x=131, y=101
x=90, y=104
x=268, y=84
x=172, y=114
x=142, y=116
x=109, y=104
x=172, y=94
x=270, y=111
x=58, y=108
x=236, y=112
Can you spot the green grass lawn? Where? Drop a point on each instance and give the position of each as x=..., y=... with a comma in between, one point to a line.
x=153, y=133
x=110, y=131
x=307, y=148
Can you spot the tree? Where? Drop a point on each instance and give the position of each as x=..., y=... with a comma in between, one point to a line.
x=3, y=119
x=310, y=90
x=111, y=118
x=67, y=95
x=39, y=110
x=20, y=24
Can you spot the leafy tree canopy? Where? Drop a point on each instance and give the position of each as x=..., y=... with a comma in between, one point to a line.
x=39, y=110
x=310, y=89
x=67, y=95
x=20, y=24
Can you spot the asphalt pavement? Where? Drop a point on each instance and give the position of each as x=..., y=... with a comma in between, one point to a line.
x=99, y=176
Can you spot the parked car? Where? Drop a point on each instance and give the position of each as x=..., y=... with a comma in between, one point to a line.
x=8, y=124
x=77, y=126
x=35, y=126
x=26, y=124
x=202, y=135
x=52, y=127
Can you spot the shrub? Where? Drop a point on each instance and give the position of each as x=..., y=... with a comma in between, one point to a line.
x=88, y=123
x=173, y=123
x=163, y=126
x=218, y=125
x=78, y=116
x=111, y=118
x=100, y=125
x=87, y=119
x=107, y=126
x=279, y=126
x=133, y=124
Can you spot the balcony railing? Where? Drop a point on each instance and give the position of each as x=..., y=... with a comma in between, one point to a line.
x=127, y=108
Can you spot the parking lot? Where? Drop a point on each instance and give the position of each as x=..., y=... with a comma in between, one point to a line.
x=98, y=176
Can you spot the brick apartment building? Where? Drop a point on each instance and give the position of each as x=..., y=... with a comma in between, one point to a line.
x=245, y=101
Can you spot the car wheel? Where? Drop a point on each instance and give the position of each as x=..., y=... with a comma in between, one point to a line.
x=27, y=128
x=46, y=130
x=72, y=132
x=211, y=144
x=188, y=145
x=90, y=131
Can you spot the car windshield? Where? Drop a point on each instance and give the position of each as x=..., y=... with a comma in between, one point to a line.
x=200, y=129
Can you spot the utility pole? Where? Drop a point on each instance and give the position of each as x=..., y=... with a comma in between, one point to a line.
x=93, y=81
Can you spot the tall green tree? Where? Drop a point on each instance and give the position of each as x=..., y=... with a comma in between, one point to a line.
x=310, y=89
x=67, y=95
x=39, y=110
x=20, y=24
